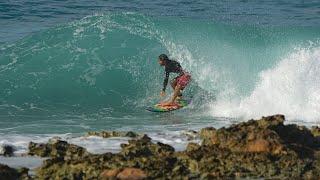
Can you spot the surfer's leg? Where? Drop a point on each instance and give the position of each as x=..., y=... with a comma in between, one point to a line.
x=183, y=81
x=175, y=93
x=173, y=83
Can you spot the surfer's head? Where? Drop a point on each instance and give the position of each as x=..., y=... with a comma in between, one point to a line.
x=163, y=59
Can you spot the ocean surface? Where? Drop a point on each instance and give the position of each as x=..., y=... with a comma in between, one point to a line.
x=68, y=67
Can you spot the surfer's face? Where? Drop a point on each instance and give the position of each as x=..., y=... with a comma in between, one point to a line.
x=161, y=62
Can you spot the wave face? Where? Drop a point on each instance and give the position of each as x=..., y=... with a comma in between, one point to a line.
x=105, y=65
x=102, y=61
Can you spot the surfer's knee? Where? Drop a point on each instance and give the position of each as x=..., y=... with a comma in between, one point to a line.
x=173, y=83
x=178, y=87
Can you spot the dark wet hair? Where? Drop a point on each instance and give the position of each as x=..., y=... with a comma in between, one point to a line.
x=163, y=57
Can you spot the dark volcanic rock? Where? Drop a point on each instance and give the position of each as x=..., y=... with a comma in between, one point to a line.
x=7, y=173
x=251, y=136
x=264, y=148
x=191, y=135
x=267, y=135
x=315, y=130
x=107, y=134
x=57, y=149
x=6, y=150
x=144, y=147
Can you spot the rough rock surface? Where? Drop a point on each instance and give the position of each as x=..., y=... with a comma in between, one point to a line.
x=268, y=135
x=315, y=130
x=57, y=149
x=8, y=173
x=132, y=174
x=6, y=150
x=264, y=148
x=107, y=134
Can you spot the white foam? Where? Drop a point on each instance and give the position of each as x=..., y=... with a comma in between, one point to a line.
x=176, y=139
x=99, y=145
x=94, y=144
x=20, y=142
x=291, y=88
x=30, y=162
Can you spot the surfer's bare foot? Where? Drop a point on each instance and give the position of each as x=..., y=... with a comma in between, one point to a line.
x=169, y=103
x=179, y=96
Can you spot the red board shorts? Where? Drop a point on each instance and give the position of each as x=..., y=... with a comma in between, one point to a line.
x=183, y=80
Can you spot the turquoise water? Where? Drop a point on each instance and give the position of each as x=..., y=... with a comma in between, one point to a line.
x=72, y=67
x=20, y=18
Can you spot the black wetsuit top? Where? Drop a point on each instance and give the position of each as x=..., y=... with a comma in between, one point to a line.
x=171, y=67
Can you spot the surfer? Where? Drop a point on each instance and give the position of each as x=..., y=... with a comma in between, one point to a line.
x=178, y=83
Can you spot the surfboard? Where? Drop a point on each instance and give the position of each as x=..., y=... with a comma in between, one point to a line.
x=160, y=108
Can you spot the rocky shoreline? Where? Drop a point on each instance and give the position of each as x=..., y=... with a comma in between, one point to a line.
x=264, y=148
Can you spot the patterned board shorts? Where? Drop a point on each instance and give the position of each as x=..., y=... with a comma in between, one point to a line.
x=183, y=80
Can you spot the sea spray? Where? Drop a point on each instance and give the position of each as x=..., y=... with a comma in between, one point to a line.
x=291, y=87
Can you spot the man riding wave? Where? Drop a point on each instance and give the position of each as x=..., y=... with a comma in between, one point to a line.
x=178, y=83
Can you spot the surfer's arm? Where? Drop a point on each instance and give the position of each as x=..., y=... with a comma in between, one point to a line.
x=165, y=81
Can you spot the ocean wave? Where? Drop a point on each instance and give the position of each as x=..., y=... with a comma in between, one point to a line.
x=105, y=65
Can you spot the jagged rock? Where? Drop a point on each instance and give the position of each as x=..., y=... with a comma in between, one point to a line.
x=257, y=149
x=144, y=147
x=24, y=173
x=6, y=150
x=132, y=174
x=131, y=134
x=191, y=134
x=315, y=130
x=109, y=174
x=8, y=173
x=251, y=136
x=39, y=149
x=206, y=134
x=57, y=149
x=54, y=140
x=274, y=120
x=107, y=134
x=192, y=146
x=268, y=135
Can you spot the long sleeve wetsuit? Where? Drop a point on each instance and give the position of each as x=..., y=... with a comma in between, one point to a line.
x=171, y=67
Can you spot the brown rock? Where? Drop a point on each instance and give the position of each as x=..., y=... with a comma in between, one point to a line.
x=251, y=136
x=191, y=134
x=259, y=145
x=315, y=130
x=58, y=149
x=192, y=146
x=256, y=149
x=109, y=174
x=132, y=174
x=207, y=134
x=274, y=120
